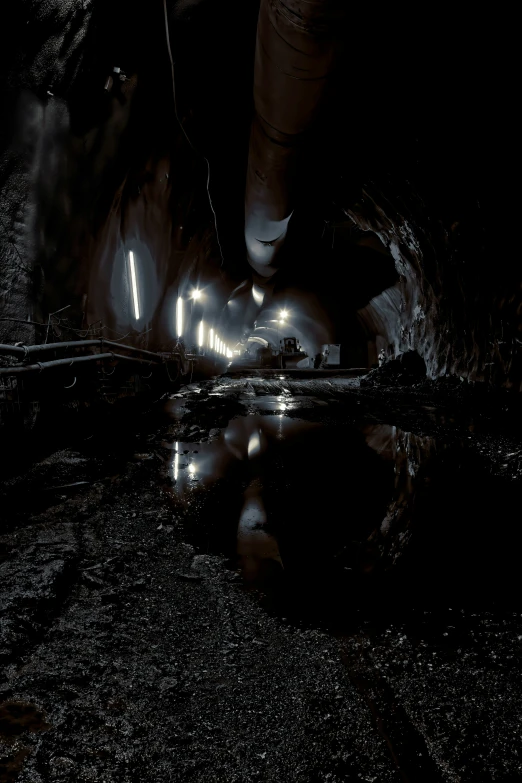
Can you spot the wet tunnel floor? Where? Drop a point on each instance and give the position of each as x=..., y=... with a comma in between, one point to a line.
x=270, y=579
x=316, y=502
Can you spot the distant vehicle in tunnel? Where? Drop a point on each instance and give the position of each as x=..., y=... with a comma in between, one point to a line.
x=331, y=354
x=290, y=352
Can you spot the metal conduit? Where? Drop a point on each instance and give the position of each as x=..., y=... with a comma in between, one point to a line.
x=295, y=51
x=68, y=362
x=15, y=350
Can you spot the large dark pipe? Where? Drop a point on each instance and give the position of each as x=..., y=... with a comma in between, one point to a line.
x=294, y=57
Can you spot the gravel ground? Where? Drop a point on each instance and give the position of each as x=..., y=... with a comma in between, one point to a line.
x=129, y=653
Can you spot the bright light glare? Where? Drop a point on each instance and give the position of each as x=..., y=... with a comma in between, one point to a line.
x=258, y=295
x=192, y=468
x=283, y=314
x=254, y=444
x=211, y=338
x=134, y=284
x=229, y=353
x=179, y=316
x=196, y=294
x=176, y=463
x=200, y=333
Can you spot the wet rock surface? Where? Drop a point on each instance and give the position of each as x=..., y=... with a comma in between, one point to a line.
x=131, y=650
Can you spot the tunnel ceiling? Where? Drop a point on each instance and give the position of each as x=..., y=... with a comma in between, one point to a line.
x=399, y=214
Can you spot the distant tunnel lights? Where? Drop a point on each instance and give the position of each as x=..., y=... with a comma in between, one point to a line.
x=219, y=345
x=179, y=316
x=134, y=285
x=196, y=294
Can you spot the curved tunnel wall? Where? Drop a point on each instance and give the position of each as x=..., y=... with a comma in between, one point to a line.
x=83, y=172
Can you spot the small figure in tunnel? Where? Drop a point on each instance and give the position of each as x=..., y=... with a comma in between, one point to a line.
x=318, y=361
x=114, y=78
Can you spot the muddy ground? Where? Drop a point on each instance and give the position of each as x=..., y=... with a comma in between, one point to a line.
x=267, y=579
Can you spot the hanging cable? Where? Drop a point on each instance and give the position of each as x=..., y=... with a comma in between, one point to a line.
x=184, y=131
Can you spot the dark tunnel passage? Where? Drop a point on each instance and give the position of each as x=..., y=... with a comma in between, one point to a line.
x=260, y=393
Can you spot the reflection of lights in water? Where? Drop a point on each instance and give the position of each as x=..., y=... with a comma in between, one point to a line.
x=176, y=463
x=255, y=545
x=254, y=444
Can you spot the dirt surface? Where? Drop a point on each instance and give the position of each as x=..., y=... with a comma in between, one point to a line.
x=130, y=649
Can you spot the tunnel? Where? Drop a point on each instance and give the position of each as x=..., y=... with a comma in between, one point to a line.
x=260, y=393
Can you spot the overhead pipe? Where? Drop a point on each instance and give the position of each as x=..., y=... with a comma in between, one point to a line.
x=295, y=51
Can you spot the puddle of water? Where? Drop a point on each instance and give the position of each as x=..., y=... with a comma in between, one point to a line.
x=245, y=438
x=321, y=519
x=283, y=402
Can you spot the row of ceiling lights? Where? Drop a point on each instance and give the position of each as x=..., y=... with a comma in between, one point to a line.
x=215, y=343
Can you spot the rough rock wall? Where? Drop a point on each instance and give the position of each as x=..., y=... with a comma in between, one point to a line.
x=42, y=53
x=85, y=169
x=460, y=303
